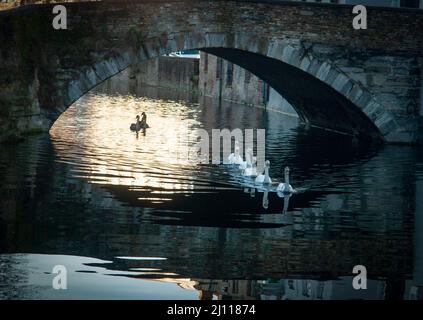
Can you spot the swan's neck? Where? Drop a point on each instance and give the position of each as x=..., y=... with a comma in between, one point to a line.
x=287, y=177
x=266, y=172
x=249, y=162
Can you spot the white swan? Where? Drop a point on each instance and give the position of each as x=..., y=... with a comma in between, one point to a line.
x=244, y=164
x=235, y=158
x=247, y=163
x=251, y=171
x=264, y=178
x=285, y=187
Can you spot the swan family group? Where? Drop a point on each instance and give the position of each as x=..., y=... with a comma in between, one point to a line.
x=249, y=169
x=140, y=124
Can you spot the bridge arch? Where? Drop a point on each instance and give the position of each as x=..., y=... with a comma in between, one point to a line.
x=321, y=94
x=305, y=51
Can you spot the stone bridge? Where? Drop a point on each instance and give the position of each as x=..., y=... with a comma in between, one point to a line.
x=366, y=83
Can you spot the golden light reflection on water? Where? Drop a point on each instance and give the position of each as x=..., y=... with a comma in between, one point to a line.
x=93, y=134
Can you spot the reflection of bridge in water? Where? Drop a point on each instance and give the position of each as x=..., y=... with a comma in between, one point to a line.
x=102, y=222
x=304, y=289
x=305, y=248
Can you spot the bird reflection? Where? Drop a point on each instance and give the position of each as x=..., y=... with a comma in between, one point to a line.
x=143, y=132
x=251, y=191
x=286, y=197
x=266, y=201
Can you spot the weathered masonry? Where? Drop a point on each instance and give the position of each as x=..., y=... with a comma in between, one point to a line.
x=366, y=83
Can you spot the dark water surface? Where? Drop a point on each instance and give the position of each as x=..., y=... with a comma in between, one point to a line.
x=130, y=217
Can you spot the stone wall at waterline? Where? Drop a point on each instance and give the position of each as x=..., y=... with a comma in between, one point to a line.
x=222, y=79
x=168, y=72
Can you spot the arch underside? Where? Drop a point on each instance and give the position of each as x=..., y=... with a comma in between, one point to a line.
x=317, y=103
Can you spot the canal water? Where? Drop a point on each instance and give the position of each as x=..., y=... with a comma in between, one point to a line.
x=130, y=217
